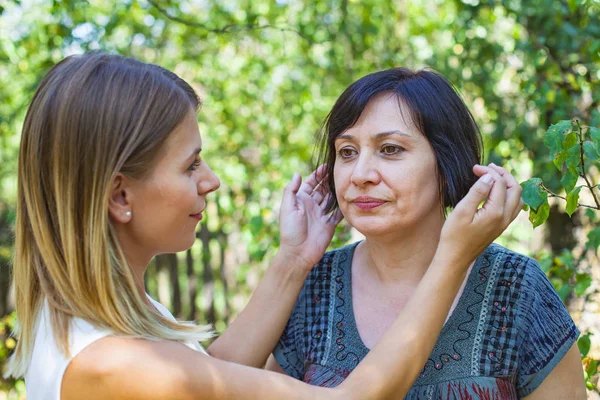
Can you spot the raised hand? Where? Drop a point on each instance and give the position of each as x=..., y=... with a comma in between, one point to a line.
x=470, y=229
x=305, y=229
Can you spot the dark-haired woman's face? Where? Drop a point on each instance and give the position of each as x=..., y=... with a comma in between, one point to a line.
x=385, y=173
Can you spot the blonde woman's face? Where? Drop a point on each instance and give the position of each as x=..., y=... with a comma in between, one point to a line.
x=168, y=205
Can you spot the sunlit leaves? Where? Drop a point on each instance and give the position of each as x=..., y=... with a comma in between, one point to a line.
x=584, y=343
x=595, y=136
x=591, y=151
x=556, y=141
x=538, y=217
x=593, y=239
x=569, y=179
x=533, y=194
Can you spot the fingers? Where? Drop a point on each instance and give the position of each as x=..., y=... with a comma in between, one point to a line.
x=480, y=170
x=478, y=192
x=289, y=193
x=314, y=180
x=514, y=190
x=495, y=204
x=336, y=217
x=514, y=203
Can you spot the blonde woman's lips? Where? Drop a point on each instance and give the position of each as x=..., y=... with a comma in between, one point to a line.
x=197, y=216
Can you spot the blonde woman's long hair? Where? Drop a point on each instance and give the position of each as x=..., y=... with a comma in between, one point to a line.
x=92, y=116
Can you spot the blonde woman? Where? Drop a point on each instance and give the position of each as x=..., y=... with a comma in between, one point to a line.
x=110, y=175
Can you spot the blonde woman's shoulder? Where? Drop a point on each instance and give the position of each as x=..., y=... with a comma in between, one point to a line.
x=127, y=368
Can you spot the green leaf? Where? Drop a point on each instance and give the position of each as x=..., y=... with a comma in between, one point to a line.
x=540, y=216
x=573, y=156
x=565, y=258
x=583, y=282
x=555, y=135
x=569, y=179
x=554, y=139
x=595, y=135
x=590, y=151
x=570, y=140
x=593, y=239
x=584, y=343
x=545, y=264
x=564, y=292
x=533, y=194
x=573, y=200
x=592, y=367
x=591, y=214
x=256, y=224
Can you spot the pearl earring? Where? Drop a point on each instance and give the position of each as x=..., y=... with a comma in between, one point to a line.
x=128, y=213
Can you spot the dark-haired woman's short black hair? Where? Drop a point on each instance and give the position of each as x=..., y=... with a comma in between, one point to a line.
x=435, y=109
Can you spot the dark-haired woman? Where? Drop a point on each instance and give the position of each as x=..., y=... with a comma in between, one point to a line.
x=400, y=147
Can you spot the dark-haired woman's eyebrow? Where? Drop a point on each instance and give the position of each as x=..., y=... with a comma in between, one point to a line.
x=382, y=135
x=345, y=136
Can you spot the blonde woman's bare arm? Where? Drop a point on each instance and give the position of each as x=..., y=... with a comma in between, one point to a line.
x=305, y=232
x=565, y=382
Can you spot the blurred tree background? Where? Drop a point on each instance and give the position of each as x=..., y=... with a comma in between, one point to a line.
x=269, y=71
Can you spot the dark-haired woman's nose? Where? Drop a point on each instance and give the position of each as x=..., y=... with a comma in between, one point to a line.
x=364, y=172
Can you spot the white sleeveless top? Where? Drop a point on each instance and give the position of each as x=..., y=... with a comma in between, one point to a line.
x=45, y=372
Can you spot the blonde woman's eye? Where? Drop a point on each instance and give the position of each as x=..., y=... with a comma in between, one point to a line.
x=346, y=152
x=195, y=164
x=390, y=150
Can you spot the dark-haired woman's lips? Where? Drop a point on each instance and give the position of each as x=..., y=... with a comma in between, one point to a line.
x=367, y=203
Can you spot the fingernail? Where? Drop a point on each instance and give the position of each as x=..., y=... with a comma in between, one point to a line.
x=487, y=178
x=493, y=165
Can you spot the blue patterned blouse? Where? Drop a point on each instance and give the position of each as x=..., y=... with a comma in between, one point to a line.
x=507, y=332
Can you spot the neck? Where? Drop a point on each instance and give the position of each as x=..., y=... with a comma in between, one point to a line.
x=401, y=257
x=137, y=260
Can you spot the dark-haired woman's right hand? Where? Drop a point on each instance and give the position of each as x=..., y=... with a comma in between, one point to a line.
x=470, y=229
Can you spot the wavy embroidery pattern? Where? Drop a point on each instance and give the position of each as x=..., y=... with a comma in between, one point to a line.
x=341, y=354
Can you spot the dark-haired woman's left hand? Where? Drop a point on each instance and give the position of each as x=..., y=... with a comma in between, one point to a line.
x=305, y=229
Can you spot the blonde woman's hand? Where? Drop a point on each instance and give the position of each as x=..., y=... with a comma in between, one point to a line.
x=305, y=229
x=470, y=228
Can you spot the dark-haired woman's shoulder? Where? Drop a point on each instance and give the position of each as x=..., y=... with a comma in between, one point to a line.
x=332, y=261
x=544, y=330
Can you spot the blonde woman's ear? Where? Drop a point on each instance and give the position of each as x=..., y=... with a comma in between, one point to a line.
x=119, y=201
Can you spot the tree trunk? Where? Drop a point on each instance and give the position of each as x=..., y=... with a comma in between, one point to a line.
x=208, y=285
x=192, y=284
x=175, y=289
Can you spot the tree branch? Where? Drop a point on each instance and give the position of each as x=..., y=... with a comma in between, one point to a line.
x=552, y=194
x=230, y=28
x=583, y=174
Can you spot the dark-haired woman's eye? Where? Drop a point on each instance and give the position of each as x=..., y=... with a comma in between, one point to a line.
x=390, y=150
x=195, y=164
x=346, y=152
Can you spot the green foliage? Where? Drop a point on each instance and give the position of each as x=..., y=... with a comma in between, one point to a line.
x=7, y=344
x=590, y=365
x=574, y=151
